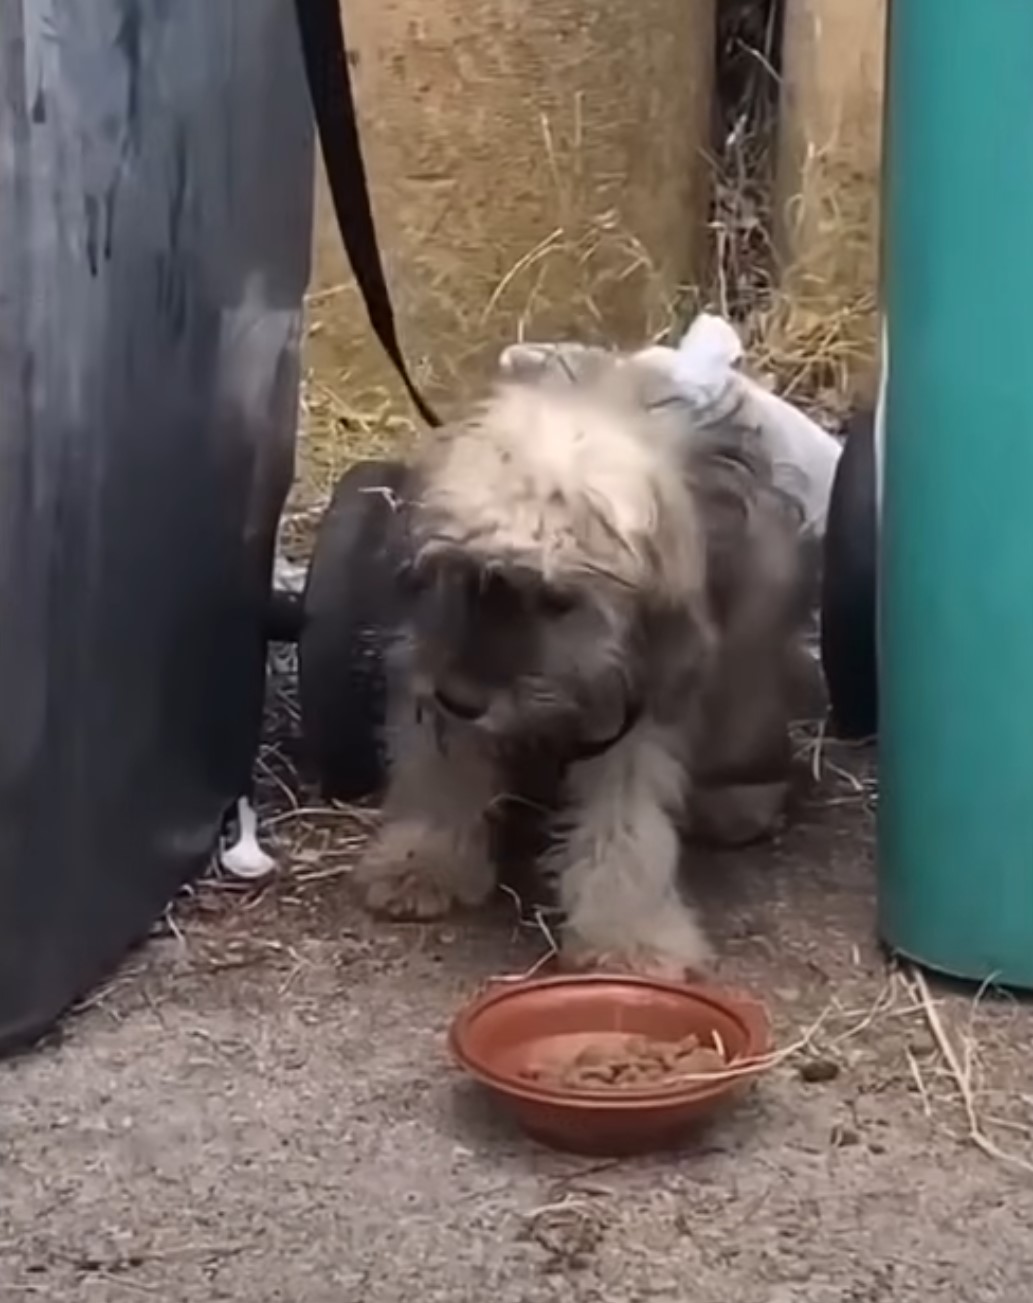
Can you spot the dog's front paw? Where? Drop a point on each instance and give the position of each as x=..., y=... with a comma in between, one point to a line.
x=404, y=892
x=672, y=949
x=417, y=873
x=643, y=961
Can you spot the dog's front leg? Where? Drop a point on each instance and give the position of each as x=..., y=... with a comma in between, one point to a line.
x=616, y=865
x=432, y=851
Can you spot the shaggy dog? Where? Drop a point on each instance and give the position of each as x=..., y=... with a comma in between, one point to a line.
x=599, y=591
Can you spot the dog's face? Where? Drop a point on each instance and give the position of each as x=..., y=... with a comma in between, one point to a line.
x=497, y=646
x=546, y=531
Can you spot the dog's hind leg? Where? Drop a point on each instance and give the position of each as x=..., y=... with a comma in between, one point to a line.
x=616, y=865
x=742, y=753
x=432, y=851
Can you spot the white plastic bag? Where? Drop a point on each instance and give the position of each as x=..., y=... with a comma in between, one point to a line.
x=704, y=367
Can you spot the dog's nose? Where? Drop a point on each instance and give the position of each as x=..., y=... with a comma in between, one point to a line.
x=461, y=704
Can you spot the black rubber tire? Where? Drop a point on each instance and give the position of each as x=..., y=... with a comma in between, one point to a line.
x=849, y=587
x=351, y=608
x=285, y=617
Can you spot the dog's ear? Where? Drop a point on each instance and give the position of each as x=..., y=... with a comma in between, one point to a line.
x=524, y=361
x=566, y=363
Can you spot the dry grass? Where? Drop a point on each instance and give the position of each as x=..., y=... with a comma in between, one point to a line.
x=815, y=334
x=809, y=324
x=964, y=1069
x=603, y=254
x=742, y=258
x=339, y=423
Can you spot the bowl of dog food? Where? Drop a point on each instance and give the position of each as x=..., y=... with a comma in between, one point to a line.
x=611, y=1065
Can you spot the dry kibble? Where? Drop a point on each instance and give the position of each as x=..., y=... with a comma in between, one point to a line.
x=632, y=1063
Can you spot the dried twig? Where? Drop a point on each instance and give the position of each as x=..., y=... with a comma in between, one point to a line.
x=537, y=920
x=919, y=1080
x=962, y=1075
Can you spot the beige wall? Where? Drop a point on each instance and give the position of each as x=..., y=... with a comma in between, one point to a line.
x=536, y=165
x=827, y=191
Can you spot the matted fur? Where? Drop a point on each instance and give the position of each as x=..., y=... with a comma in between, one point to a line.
x=590, y=580
x=571, y=481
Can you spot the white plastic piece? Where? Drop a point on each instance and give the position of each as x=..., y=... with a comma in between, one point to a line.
x=245, y=858
x=288, y=575
x=879, y=433
x=879, y=449
x=704, y=368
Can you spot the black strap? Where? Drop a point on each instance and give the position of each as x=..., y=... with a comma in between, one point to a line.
x=592, y=750
x=329, y=82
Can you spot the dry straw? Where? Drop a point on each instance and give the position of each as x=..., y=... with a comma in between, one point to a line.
x=963, y=1066
x=797, y=273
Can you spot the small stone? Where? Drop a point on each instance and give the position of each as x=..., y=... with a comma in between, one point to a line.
x=819, y=1070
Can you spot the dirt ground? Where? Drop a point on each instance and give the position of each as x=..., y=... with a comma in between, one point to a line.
x=260, y=1108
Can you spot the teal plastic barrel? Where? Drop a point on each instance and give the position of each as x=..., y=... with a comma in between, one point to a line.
x=956, y=602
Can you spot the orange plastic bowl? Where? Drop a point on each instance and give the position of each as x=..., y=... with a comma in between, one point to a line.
x=509, y=1028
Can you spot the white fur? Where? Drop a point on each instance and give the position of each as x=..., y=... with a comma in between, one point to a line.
x=433, y=851
x=617, y=864
x=564, y=482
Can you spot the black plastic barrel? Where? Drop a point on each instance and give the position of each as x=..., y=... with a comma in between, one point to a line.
x=156, y=167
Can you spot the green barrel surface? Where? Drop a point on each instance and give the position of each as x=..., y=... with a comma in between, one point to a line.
x=956, y=599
